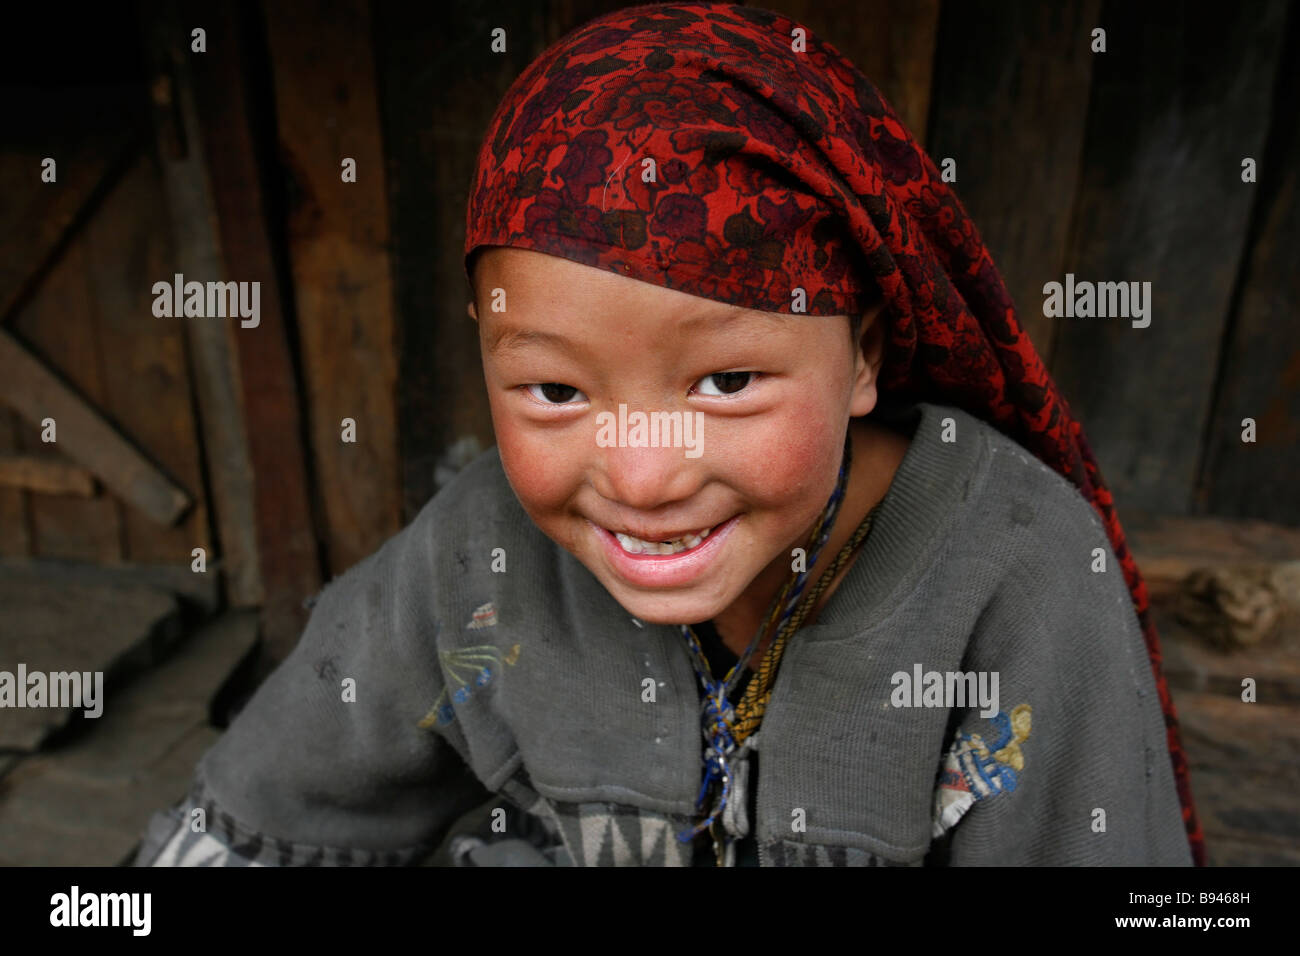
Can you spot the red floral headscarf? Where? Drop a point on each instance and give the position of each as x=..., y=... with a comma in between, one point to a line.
x=727, y=152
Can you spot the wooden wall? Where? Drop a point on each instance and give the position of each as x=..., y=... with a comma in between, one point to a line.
x=1119, y=166
x=78, y=256
x=1126, y=166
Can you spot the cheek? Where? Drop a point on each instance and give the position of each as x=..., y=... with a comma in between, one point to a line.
x=793, y=456
x=541, y=468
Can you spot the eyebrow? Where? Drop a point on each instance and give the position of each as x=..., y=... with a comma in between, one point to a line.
x=735, y=314
x=512, y=339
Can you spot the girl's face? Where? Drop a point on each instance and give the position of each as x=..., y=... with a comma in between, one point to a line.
x=773, y=393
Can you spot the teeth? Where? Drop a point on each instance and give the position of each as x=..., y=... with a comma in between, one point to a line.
x=637, y=546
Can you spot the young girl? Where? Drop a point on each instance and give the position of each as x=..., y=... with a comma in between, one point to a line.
x=717, y=527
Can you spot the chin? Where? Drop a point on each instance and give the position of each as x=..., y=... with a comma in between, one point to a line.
x=666, y=610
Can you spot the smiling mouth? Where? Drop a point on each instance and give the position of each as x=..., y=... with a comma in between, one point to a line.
x=631, y=544
x=665, y=566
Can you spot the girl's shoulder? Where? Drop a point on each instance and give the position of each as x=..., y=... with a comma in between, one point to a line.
x=1029, y=498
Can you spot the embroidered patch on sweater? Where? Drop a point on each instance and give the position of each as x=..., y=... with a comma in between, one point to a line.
x=467, y=669
x=974, y=769
x=485, y=615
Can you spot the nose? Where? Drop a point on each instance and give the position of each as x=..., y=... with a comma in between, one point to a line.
x=645, y=479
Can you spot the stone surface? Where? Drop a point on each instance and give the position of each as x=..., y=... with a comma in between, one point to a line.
x=59, y=816
x=87, y=802
x=54, y=624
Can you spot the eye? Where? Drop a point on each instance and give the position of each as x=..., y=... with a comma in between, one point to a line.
x=553, y=393
x=727, y=383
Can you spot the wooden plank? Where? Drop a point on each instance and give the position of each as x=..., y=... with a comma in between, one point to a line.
x=1169, y=547
x=1180, y=96
x=83, y=434
x=227, y=80
x=199, y=591
x=1258, y=812
x=1191, y=663
x=15, y=536
x=146, y=385
x=891, y=41
x=210, y=344
x=1245, y=761
x=58, y=325
x=1261, y=370
x=441, y=395
x=1010, y=105
x=46, y=474
x=1225, y=732
x=327, y=109
x=1225, y=850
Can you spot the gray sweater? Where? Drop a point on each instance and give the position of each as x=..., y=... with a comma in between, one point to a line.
x=426, y=682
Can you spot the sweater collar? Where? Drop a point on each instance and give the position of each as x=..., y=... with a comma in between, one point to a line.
x=931, y=485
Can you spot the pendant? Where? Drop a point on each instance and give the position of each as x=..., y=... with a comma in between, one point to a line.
x=735, y=815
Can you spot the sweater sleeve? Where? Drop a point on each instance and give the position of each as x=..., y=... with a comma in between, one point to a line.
x=1070, y=765
x=327, y=763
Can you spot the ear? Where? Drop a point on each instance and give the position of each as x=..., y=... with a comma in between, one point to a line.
x=867, y=361
x=473, y=312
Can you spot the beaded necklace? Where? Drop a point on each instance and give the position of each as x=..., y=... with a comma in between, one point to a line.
x=724, y=727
